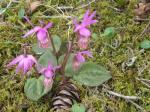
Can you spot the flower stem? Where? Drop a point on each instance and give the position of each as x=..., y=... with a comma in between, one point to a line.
x=63, y=65
x=53, y=46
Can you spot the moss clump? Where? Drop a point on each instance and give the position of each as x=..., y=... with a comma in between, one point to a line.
x=111, y=53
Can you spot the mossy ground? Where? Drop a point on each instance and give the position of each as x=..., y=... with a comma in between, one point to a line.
x=110, y=53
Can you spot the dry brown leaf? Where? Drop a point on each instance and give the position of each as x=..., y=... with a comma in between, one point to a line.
x=142, y=10
x=34, y=5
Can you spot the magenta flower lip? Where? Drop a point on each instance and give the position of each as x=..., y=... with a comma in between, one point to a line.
x=42, y=34
x=82, y=29
x=79, y=58
x=25, y=63
x=49, y=71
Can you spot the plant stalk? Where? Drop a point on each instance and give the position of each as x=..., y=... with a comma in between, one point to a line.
x=53, y=46
x=63, y=65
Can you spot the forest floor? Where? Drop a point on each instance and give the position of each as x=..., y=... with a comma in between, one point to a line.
x=121, y=55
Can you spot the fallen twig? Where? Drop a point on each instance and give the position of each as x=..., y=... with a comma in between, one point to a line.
x=137, y=106
x=145, y=30
x=121, y=96
x=85, y=5
x=145, y=82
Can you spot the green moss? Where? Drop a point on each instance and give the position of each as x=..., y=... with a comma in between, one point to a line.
x=110, y=53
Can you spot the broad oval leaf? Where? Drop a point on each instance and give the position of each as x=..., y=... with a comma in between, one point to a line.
x=91, y=74
x=46, y=58
x=34, y=89
x=145, y=44
x=57, y=42
x=109, y=32
x=78, y=108
x=21, y=13
x=39, y=50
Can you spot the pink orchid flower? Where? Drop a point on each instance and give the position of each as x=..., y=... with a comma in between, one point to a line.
x=83, y=42
x=42, y=35
x=49, y=73
x=79, y=58
x=25, y=63
x=86, y=22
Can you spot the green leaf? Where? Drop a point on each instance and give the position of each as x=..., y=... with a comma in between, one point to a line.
x=145, y=44
x=78, y=108
x=39, y=50
x=34, y=89
x=47, y=57
x=109, y=32
x=21, y=13
x=95, y=36
x=69, y=69
x=57, y=42
x=91, y=74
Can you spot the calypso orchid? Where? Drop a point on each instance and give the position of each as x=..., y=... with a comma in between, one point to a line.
x=49, y=74
x=79, y=58
x=42, y=35
x=82, y=30
x=25, y=63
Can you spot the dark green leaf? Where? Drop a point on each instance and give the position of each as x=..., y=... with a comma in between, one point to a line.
x=78, y=108
x=21, y=13
x=47, y=57
x=109, y=32
x=34, y=89
x=145, y=44
x=91, y=74
x=57, y=42
x=39, y=50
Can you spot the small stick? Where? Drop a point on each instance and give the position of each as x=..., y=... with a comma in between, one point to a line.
x=121, y=96
x=143, y=81
x=145, y=30
x=85, y=5
x=137, y=106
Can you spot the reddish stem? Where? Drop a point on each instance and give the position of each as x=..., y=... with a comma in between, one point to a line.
x=53, y=46
x=63, y=65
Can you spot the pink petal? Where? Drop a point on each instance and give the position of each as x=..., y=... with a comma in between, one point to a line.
x=83, y=42
x=78, y=27
x=92, y=15
x=48, y=25
x=86, y=15
x=76, y=64
x=85, y=32
x=26, y=66
x=34, y=30
x=32, y=58
x=41, y=34
x=20, y=66
x=80, y=58
x=75, y=22
x=48, y=73
x=42, y=70
x=16, y=60
x=48, y=83
x=88, y=53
